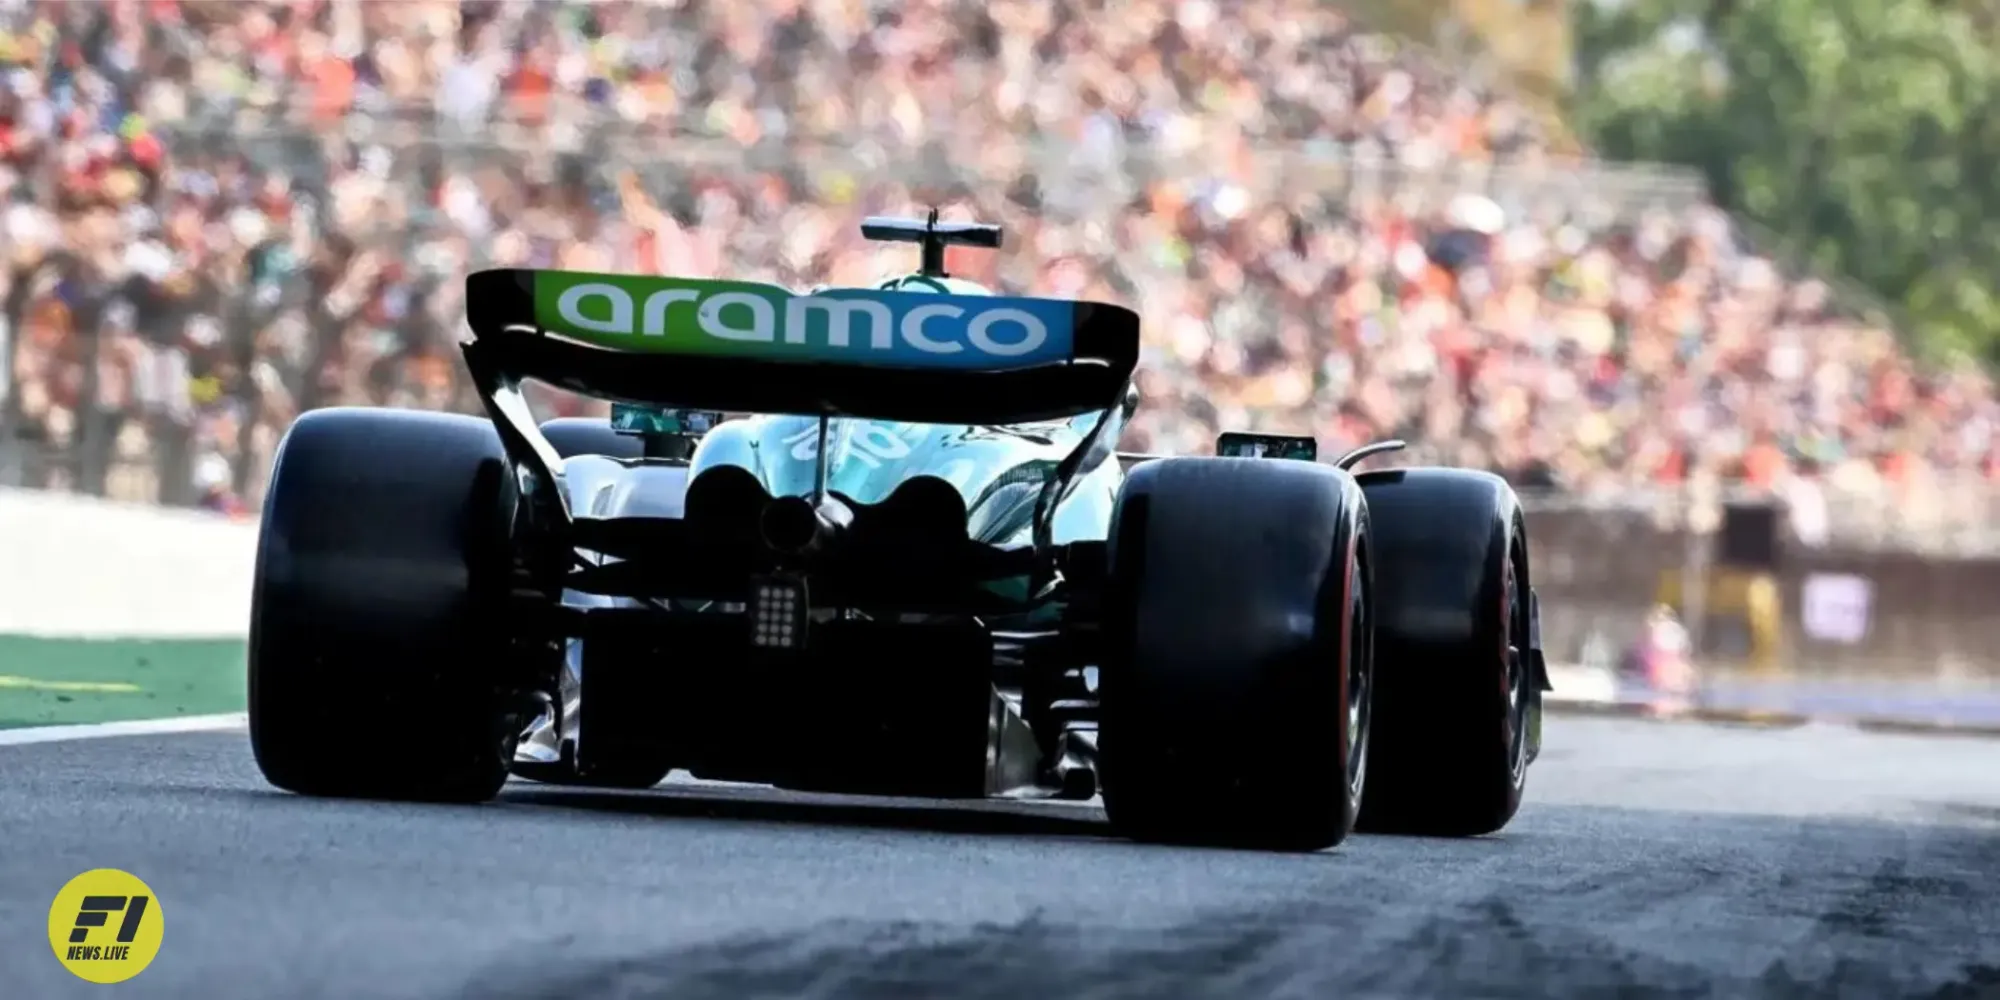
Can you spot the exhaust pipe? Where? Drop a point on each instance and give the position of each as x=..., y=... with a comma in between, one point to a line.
x=793, y=526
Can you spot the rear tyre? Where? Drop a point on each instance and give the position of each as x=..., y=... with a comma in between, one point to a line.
x=377, y=610
x=1456, y=690
x=1238, y=661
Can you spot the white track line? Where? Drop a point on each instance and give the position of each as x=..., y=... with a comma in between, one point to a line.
x=135, y=727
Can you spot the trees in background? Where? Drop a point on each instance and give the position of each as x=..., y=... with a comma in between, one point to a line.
x=1864, y=133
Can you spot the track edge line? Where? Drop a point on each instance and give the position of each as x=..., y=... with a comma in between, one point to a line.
x=30, y=735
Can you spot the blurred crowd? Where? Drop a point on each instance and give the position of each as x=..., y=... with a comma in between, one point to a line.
x=220, y=214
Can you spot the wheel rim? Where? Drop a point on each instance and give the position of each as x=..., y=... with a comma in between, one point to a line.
x=1359, y=681
x=1517, y=678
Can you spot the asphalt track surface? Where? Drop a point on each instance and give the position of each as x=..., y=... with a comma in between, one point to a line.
x=1654, y=859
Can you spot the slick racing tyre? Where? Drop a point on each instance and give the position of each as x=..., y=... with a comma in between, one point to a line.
x=376, y=610
x=1455, y=690
x=573, y=436
x=1238, y=658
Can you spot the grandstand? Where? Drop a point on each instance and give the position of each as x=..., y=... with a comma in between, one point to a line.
x=225, y=213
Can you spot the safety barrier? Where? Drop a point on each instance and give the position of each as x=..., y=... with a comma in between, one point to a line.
x=81, y=567
x=1857, y=605
x=73, y=565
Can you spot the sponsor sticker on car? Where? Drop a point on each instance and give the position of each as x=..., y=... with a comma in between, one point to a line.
x=851, y=325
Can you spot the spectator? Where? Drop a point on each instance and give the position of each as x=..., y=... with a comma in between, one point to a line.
x=1662, y=673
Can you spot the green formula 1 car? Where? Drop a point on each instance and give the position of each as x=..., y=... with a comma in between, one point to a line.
x=919, y=568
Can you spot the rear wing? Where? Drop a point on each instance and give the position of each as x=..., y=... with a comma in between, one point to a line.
x=737, y=346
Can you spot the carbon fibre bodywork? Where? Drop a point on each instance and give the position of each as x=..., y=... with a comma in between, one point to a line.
x=997, y=472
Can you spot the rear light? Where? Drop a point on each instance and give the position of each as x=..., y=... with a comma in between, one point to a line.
x=778, y=612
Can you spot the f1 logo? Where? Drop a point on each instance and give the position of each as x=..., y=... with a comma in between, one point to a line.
x=96, y=910
x=98, y=898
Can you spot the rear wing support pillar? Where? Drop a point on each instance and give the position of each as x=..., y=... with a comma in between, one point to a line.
x=819, y=462
x=1096, y=446
x=500, y=393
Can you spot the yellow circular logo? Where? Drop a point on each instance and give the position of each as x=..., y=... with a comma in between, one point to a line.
x=106, y=925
